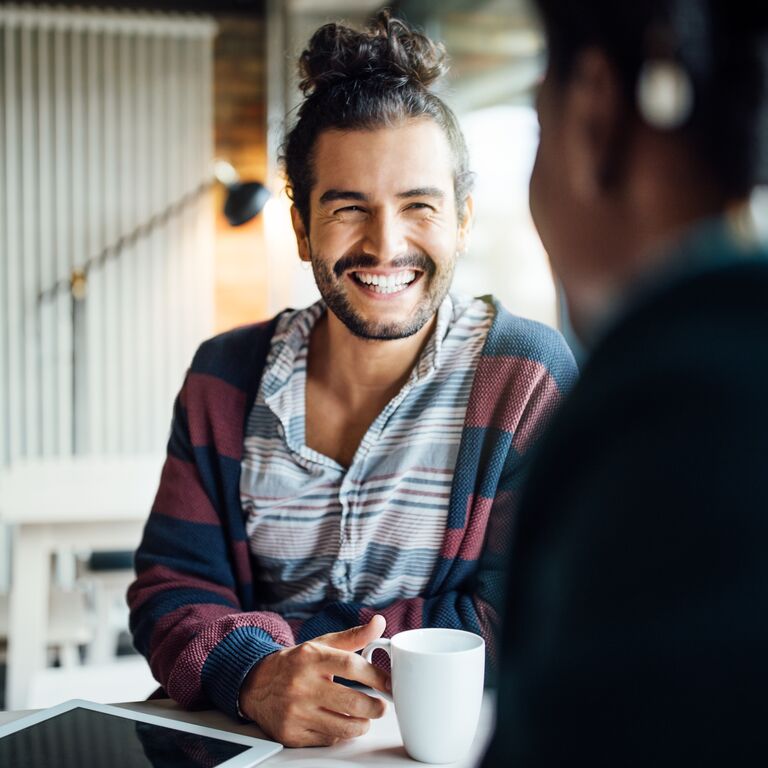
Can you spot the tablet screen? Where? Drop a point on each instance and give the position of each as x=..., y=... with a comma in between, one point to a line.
x=82, y=738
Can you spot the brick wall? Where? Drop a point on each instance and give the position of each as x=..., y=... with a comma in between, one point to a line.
x=240, y=138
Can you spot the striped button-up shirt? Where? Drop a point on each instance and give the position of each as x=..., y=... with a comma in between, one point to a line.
x=370, y=533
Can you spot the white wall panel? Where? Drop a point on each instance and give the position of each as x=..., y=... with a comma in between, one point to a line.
x=46, y=243
x=12, y=242
x=62, y=261
x=106, y=127
x=28, y=244
x=4, y=319
x=96, y=307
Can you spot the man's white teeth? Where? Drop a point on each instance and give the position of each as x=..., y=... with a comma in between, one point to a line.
x=386, y=283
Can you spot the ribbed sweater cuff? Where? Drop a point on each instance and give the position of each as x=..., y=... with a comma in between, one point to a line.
x=229, y=663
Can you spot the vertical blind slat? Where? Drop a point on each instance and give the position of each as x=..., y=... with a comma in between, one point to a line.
x=174, y=191
x=79, y=228
x=4, y=319
x=96, y=307
x=13, y=251
x=32, y=421
x=63, y=240
x=110, y=176
x=158, y=251
x=203, y=120
x=187, y=174
x=143, y=212
x=125, y=260
x=206, y=264
x=48, y=274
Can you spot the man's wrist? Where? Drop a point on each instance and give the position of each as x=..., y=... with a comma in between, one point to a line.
x=230, y=662
x=255, y=683
x=249, y=682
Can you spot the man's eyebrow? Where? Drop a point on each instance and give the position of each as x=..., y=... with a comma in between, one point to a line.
x=331, y=195
x=423, y=192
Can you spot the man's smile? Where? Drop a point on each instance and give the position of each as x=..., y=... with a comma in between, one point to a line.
x=385, y=282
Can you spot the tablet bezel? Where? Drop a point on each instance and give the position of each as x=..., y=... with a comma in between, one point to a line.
x=260, y=749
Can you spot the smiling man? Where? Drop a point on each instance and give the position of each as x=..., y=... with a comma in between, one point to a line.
x=351, y=468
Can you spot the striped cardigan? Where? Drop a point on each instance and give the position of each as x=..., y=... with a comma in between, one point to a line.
x=194, y=613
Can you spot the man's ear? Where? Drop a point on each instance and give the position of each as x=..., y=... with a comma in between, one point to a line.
x=596, y=121
x=465, y=223
x=302, y=238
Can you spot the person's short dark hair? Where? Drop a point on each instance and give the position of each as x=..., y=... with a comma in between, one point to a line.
x=721, y=44
x=363, y=80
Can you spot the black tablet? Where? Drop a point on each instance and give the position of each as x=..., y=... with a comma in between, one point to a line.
x=83, y=734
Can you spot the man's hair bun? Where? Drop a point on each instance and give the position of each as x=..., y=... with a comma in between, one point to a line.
x=356, y=80
x=387, y=51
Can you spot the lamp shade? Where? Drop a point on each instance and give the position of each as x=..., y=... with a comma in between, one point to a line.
x=244, y=202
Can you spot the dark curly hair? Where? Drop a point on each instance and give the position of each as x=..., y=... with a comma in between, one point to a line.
x=361, y=80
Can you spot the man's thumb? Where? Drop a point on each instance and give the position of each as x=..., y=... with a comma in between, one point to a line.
x=357, y=638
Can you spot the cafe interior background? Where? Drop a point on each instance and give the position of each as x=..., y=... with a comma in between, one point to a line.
x=127, y=130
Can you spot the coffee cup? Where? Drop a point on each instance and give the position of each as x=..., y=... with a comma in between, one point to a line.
x=437, y=689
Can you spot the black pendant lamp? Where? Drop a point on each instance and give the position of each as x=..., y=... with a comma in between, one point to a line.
x=245, y=199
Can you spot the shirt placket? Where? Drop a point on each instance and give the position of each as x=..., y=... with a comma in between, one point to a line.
x=350, y=500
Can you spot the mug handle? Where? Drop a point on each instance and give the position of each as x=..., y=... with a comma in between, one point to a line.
x=385, y=645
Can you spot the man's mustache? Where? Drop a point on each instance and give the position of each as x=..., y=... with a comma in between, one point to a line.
x=419, y=261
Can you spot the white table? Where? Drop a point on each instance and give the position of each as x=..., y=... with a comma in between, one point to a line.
x=382, y=744
x=54, y=505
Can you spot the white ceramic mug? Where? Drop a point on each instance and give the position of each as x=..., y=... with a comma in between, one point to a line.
x=437, y=689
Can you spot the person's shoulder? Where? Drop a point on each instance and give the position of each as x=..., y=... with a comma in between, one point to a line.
x=513, y=336
x=232, y=355
x=696, y=347
x=715, y=314
x=715, y=289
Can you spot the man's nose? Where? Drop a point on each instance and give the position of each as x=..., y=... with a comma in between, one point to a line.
x=385, y=236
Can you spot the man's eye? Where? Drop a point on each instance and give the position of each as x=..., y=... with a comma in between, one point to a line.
x=349, y=209
x=420, y=207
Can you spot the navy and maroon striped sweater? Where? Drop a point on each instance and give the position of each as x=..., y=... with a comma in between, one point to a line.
x=194, y=613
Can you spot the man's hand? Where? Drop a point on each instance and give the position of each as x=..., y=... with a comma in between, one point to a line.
x=292, y=697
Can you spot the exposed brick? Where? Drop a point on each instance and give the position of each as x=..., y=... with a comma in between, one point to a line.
x=240, y=137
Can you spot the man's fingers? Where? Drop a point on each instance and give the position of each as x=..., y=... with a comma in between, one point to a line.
x=343, y=700
x=351, y=667
x=306, y=737
x=333, y=724
x=357, y=638
x=315, y=739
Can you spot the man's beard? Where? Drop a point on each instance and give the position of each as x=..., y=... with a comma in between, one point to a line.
x=331, y=287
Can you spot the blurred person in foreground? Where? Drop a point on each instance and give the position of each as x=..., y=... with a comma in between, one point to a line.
x=334, y=470
x=635, y=629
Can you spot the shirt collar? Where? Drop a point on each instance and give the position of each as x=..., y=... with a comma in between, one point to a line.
x=290, y=344
x=431, y=356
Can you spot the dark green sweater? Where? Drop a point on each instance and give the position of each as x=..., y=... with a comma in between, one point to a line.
x=636, y=629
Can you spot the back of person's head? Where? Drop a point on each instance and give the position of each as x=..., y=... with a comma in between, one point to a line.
x=364, y=80
x=721, y=46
